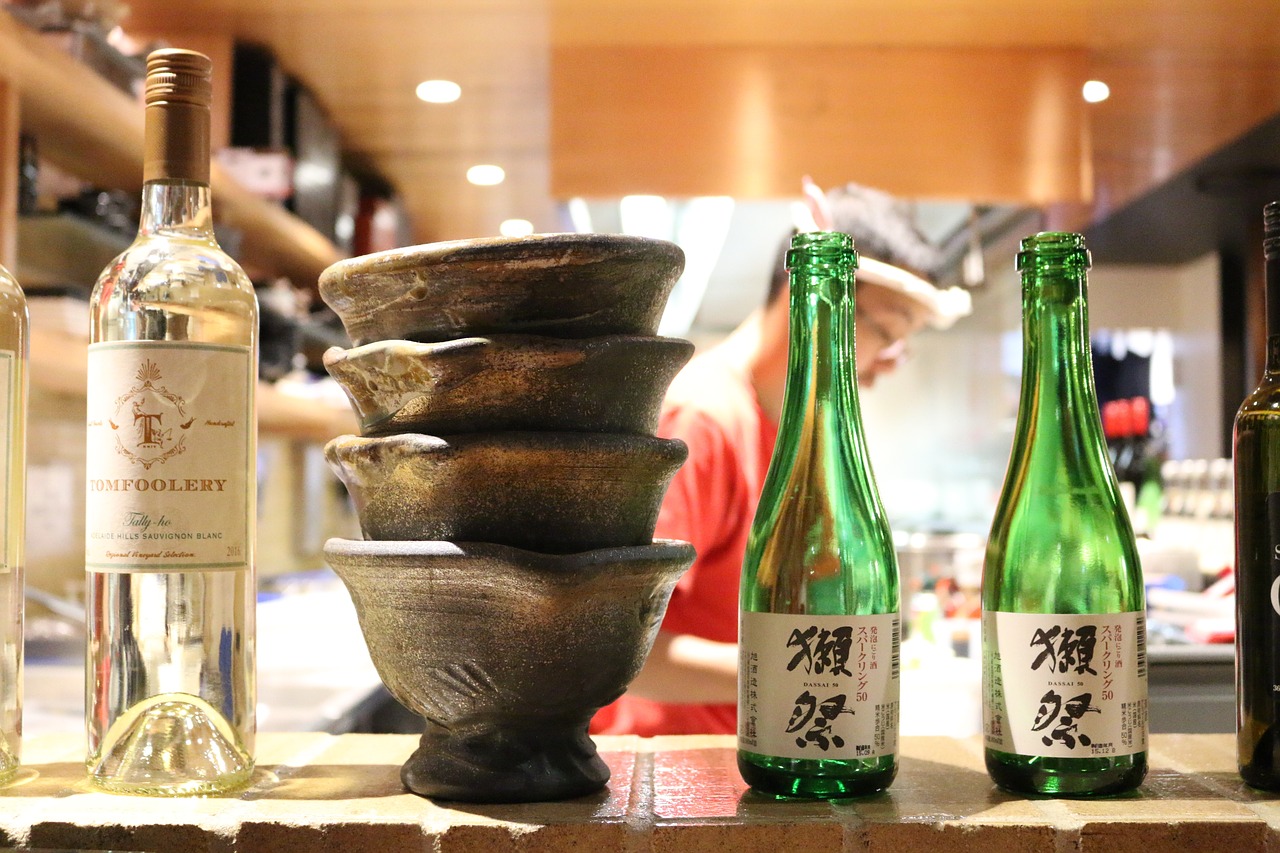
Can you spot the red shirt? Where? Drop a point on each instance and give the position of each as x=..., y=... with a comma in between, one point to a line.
x=713, y=408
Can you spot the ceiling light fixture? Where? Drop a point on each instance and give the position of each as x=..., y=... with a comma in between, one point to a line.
x=439, y=91
x=486, y=175
x=515, y=228
x=1095, y=91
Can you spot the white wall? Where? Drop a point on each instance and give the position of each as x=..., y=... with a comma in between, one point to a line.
x=940, y=427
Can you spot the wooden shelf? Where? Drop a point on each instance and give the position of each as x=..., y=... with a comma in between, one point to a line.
x=58, y=365
x=283, y=414
x=92, y=130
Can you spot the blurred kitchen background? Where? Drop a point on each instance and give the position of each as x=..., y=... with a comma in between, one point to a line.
x=1152, y=128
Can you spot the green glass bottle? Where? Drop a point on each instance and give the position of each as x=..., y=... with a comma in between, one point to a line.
x=818, y=663
x=1063, y=635
x=1257, y=521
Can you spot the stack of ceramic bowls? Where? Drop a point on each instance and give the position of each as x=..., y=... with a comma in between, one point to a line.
x=507, y=481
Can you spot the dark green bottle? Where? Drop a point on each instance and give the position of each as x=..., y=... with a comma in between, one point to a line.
x=1257, y=487
x=818, y=663
x=1063, y=635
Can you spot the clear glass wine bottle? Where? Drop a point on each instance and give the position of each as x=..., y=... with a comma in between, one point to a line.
x=171, y=476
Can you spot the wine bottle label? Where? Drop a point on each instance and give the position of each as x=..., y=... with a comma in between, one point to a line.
x=823, y=687
x=169, y=437
x=9, y=391
x=1065, y=685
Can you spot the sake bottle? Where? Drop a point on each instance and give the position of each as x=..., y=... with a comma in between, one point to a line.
x=1063, y=635
x=171, y=484
x=1257, y=526
x=819, y=622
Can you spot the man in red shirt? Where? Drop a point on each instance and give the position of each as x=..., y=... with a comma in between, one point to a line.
x=725, y=405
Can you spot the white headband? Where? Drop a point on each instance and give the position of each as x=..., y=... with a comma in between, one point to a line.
x=944, y=306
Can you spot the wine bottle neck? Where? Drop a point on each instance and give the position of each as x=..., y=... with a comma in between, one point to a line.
x=1272, y=269
x=176, y=207
x=175, y=169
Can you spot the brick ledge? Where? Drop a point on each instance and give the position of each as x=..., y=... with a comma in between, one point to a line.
x=319, y=792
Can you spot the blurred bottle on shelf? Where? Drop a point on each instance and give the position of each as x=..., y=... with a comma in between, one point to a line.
x=1146, y=467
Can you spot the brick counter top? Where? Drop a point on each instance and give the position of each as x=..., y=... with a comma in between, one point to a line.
x=318, y=792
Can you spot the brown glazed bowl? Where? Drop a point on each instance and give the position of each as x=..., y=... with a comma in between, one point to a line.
x=507, y=654
x=509, y=382
x=558, y=492
x=561, y=285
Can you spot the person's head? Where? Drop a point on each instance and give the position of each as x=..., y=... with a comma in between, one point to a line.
x=895, y=296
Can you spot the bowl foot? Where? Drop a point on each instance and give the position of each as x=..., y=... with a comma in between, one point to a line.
x=505, y=764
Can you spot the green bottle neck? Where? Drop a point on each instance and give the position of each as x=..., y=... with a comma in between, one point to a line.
x=820, y=542
x=1059, y=408
x=822, y=387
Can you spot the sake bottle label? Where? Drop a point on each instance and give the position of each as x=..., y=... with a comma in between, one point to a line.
x=1065, y=685
x=822, y=687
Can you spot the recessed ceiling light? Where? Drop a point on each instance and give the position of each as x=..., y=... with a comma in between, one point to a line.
x=1095, y=91
x=439, y=91
x=486, y=175
x=515, y=228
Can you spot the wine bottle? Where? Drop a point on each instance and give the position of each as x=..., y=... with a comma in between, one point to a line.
x=1256, y=446
x=818, y=677
x=13, y=422
x=170, y=498
x=1063, y=634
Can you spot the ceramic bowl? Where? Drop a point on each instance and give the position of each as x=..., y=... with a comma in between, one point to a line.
x=509, y=382
x=507, y=654
x=561, y=285
x=558, y=492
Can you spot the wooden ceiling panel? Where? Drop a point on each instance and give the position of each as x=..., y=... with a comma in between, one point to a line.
x=983, y=124
x=874, y=23
x=1164, y=116
x=1234, y=29
x=1186, y=76
x=444, y=206
x=385, y=128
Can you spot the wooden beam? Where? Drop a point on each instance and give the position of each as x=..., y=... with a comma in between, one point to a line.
x=988, y=124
